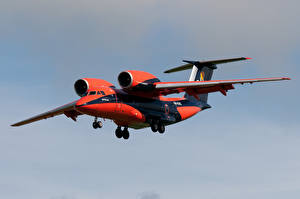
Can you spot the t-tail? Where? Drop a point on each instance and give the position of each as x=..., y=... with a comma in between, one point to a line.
x=201, y=71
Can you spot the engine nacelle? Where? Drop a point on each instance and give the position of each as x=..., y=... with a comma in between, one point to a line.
x=137, y=80
x=82, y=86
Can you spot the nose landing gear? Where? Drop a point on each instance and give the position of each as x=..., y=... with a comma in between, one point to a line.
x=122, y=133
x=97, y=124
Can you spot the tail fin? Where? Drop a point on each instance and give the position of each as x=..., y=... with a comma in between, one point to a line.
x=202, y=71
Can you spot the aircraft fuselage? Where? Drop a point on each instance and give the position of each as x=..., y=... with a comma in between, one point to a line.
x=135, y=111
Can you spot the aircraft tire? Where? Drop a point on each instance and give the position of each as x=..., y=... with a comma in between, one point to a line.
x=154, y=126
x=161, y=128
x=95, y=125
x=100, y=124
x=125, y=134
x=118, y=132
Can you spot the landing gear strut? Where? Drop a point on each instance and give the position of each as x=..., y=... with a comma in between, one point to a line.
x=97, y=124
x=157, y=125
x=122, y=133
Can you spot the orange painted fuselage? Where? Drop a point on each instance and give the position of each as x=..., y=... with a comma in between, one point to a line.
x=134, y=111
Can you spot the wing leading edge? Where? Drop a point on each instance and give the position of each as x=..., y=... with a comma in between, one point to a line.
x=67, y=109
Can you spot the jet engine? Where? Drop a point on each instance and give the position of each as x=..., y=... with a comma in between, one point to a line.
x=137, y=80
x=82, y=86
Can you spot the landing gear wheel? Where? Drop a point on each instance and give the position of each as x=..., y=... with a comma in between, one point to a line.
x=118, y=132
x=125, y=133
x=161, y=128
x=154, y=126
x=100, y=124
x=95, y=125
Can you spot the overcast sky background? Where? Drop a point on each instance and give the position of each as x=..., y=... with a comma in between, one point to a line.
x=246, y=146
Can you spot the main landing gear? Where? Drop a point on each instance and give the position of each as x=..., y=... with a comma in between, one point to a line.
x=122, y=133
x=97, y=124
x=157, y=125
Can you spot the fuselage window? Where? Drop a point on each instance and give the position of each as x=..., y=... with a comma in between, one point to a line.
x=102, y=93
x=92, y=93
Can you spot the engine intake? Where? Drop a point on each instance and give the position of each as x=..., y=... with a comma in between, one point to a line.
x=81, y=87
x=125, y=79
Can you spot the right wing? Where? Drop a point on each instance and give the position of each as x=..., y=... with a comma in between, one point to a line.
x=67, y=109
x=200, y=87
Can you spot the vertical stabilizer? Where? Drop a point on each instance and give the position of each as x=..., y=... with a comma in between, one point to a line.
x=200, y=73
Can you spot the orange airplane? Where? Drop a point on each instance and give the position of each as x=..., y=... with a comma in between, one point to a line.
x=140, y=102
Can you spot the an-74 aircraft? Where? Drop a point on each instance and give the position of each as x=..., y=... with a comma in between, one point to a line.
x=140, y=102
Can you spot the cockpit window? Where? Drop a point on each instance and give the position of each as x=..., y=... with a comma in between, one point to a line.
x=98, y=93
x=102, y=93
x=92, y=93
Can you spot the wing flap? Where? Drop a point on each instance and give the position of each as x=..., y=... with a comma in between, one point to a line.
x=67, y=109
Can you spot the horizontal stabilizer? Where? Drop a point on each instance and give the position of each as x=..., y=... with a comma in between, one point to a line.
x=210, y=64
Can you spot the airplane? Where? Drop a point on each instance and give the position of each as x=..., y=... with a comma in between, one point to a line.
x=141, y=101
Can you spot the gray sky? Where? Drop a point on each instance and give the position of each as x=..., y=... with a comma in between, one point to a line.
x=246, y=146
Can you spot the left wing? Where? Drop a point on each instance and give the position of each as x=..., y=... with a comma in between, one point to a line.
x=200, y=87
x=67, y=109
